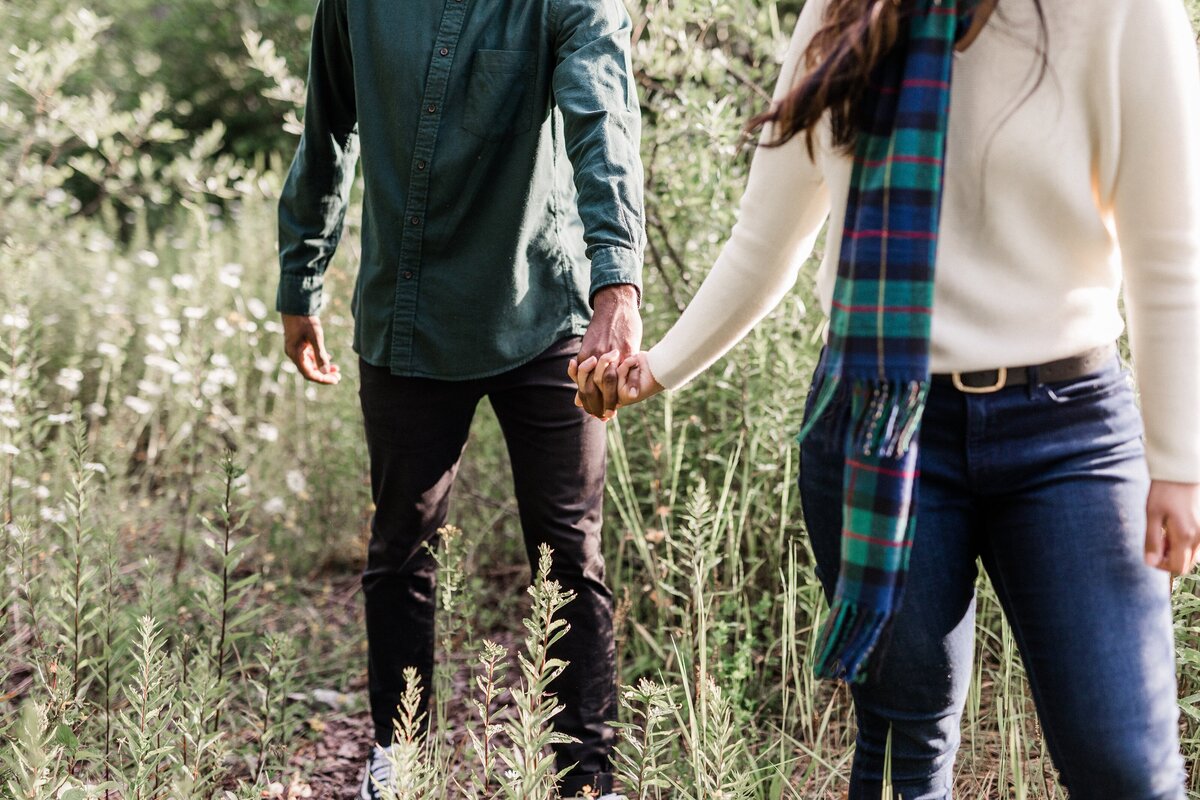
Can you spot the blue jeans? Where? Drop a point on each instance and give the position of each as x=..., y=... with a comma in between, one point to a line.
x=1045, y=485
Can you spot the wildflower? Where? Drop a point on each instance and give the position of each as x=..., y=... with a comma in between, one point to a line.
x=295, y=481
x=275, y=505
x=170, y=325
x=149, y=388
x=96, y=410
x=139, y=406
x=54, y=515
x=267, y=432
x=108, y=350
x=146, y=258
x=156, y=343
x=18, y=318
x=41, y=492
x=9, y=449
x=256, y=307
x=264, y=364
x=167, y=365
x=183, y=282
x=20, y=483
x=219, y=360
x=69, y=379
x=10, y=422
x=223, y=327
x=96, y=467
x=230, y=275
x=60, y=419
x=194, y=312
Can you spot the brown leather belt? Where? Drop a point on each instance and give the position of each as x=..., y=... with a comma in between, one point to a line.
x=1065, y=369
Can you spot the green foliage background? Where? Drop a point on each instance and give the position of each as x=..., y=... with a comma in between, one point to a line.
x=142, y=146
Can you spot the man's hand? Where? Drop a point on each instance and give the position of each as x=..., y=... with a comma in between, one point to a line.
x=1173, y=526
x=304, y=343
x=616, y=329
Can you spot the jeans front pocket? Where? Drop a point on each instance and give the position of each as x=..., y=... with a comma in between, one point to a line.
x=1094, y=386
x=500, y=101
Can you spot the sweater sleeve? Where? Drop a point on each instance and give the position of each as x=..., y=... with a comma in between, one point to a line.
x=1156, y=209
x=782, y=211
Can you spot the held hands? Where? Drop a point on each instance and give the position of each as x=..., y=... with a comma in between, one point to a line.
x=304, y=343
x=634, y=380
x=1173, y=526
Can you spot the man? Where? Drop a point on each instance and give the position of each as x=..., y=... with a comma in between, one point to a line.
x=502, y=207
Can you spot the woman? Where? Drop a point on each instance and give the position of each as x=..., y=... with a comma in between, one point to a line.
x=1007, y=168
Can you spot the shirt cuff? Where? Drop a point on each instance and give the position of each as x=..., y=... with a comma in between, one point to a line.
x=612, y=266
x=300, y=295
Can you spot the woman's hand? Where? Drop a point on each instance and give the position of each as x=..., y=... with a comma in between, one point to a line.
x=1173, y=526
x=635, y=381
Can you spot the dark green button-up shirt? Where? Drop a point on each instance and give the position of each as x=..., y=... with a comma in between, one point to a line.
x=481, y=245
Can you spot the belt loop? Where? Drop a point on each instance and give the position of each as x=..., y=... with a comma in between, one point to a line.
x=1033, y=381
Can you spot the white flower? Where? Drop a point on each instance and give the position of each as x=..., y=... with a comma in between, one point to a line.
x=267, y=432
x=242, y=482
x=42, y=492
x=149, y=388
x=20, y=483
x=96, y=467
x=7, y=406
x=160, y=362
x=139, y=406
x=170, y=325
x=219, y=360
x=16, y=319
x=60, y=419
x=108, y=350
x=264, y=364
x=54, y=515
x=69, y=378
x=181, y=378
x=146, y=258
x=223, y=327
x=9, y=449
x=156, y=343
x=183, y=282
x=230, y=275
x=96, y=410
x=12, y=423
x=275, y=506
x=295, y=481
x=256, y=307
x=194, y=312
x=171, y=338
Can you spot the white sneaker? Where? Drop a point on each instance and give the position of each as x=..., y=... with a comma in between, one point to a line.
x=377, y=774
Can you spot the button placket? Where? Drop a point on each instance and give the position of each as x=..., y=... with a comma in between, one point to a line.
x=432, y=103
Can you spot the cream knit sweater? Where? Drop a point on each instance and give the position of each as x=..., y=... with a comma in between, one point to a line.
x=1051, y=198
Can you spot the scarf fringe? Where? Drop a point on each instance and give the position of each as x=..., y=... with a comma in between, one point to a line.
x=881, y=418
x=847, y=639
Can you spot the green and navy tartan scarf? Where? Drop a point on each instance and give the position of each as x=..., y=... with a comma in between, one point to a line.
x=876, y=374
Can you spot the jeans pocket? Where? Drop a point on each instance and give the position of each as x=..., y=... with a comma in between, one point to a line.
x=1093, y=386
x=500, y=101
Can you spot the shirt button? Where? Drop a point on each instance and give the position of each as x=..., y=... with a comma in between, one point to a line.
x=408, y=275
x=431, y=108
x=445, y=51
x=420, y=165
x=415, y=220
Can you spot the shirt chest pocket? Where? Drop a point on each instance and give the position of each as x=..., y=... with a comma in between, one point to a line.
x=500, y=94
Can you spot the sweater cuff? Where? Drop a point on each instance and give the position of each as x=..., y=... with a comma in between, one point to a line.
x=1172, y=461
x=612, y=266
x=300, y=295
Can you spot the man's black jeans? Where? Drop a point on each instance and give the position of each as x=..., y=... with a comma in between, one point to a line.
x=416, y=431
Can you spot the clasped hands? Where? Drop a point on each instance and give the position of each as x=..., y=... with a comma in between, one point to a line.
x=610, y=371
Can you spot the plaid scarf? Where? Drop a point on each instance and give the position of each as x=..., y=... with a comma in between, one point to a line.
x=876, y=374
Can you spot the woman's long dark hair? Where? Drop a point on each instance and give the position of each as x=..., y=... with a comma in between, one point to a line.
x=854, y=39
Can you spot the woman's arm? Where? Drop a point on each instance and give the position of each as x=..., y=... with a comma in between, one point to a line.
x=782, y=211
x=1156, y=208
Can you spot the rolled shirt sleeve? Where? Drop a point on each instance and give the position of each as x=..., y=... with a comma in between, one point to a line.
x=593, y=87
x=312, y=206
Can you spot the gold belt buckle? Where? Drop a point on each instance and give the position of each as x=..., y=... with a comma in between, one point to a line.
x=1001, y=379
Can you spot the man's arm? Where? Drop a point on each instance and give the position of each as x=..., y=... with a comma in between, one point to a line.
x=594, y=90
x=312, y=206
